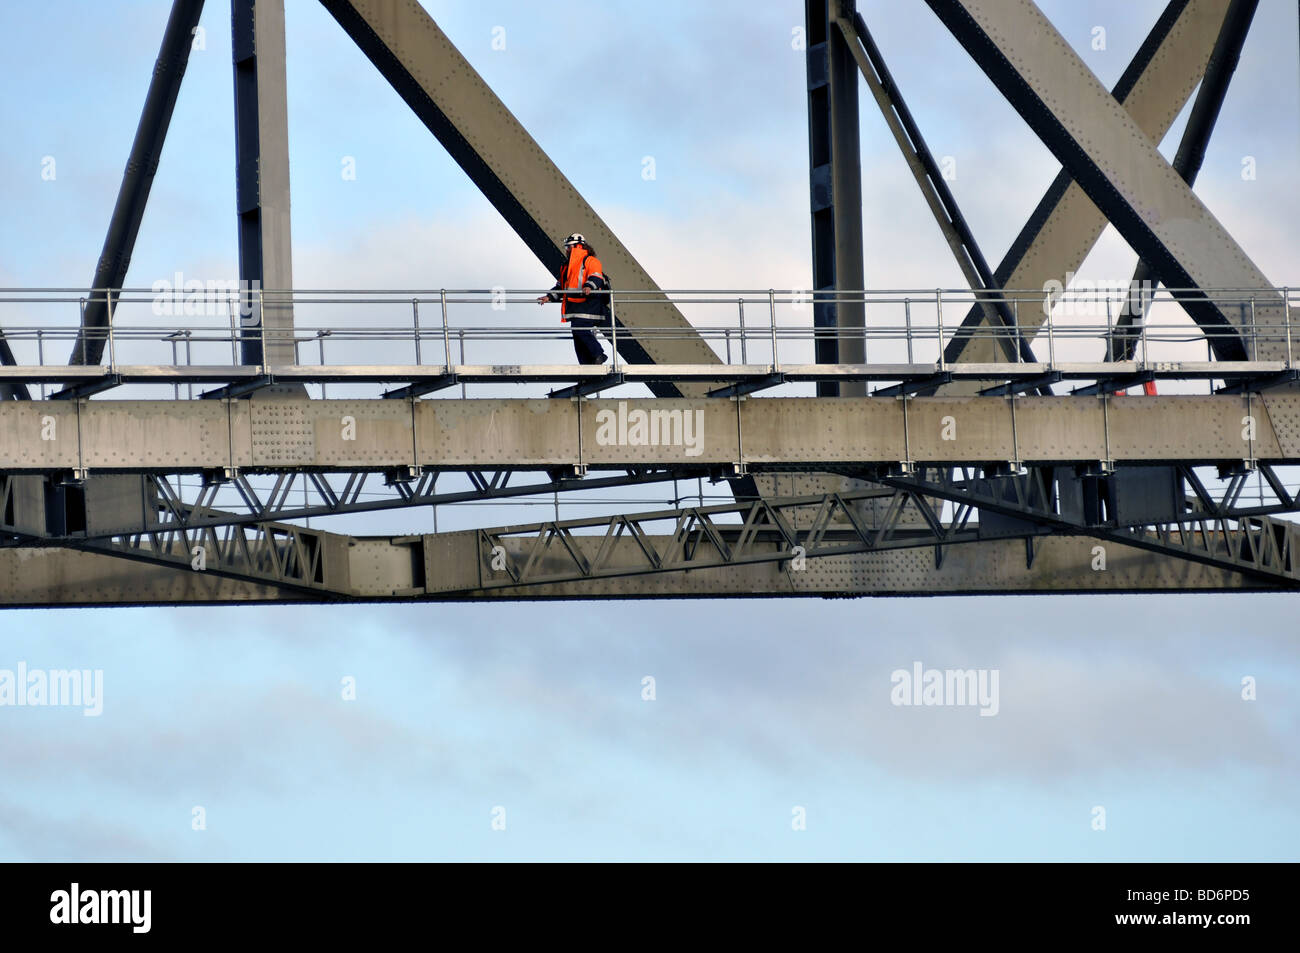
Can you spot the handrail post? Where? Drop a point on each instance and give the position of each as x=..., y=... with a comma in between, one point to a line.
x=176, y=388
x=771, y=308
x=1015, y=320
x=112, y=349
x=1110, y=340
x=81, y=333
x=1051, y=340
x=40, y=350
x=1286, y=322
x=938, y=307
x=907, y=326
x=613, y=334
x=234, y=332
x=261, y=323
x=415, y=319
x=1254, y=332
x=321, y=335
x=446, y=334
x=1146, y=349
x=740, y=303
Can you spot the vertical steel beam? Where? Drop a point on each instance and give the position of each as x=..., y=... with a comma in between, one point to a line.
x=133, y=194
x=835, y=179
x=262, y=180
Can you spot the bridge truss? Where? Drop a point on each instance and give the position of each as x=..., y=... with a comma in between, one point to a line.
x=991, y=452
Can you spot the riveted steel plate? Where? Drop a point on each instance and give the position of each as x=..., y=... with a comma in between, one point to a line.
x=949, y=429
x=38, y=435
x=821, y=430
x=1179, y=428
x=141, y=434
x=496, y=433
x=362, y=433
x=1050, y=430
x=1283, y=413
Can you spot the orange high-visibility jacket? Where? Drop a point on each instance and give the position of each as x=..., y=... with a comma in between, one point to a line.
x=582, y=270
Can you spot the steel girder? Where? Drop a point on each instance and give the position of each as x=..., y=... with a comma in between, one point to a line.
x=725, y=436
x=815, y=545
x=1119, y=167
x=395, y=569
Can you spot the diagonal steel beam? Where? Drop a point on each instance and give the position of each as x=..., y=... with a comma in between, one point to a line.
x=133, y=195
x=510, y=168
x=1065, y=224
x=1118, y=166
x=1187, y=161
x=930, y=180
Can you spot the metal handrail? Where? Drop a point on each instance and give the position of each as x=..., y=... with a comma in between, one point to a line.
x=917, y=321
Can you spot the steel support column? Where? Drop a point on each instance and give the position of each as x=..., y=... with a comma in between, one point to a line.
x=262, y=180
x=835, y=174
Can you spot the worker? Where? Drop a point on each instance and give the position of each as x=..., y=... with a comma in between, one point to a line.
x=580, y=276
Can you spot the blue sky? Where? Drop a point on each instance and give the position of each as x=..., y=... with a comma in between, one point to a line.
x=1131, y=703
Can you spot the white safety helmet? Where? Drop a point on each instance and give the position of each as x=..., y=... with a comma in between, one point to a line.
x=575, y=239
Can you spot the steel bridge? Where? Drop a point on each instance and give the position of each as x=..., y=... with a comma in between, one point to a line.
x=857, y=442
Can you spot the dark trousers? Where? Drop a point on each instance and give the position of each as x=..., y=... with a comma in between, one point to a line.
x=585, y=343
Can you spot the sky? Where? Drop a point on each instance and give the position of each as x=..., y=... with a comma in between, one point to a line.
x=523, y=731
